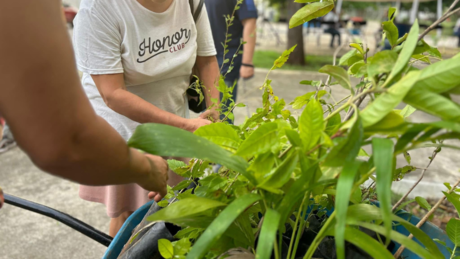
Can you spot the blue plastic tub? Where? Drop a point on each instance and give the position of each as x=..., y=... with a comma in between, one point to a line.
x=125, y=233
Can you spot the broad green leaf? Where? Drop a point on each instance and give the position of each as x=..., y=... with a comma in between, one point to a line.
x=262, y=165
x=381, y=62
x=166, y=248
x=311, y=124
x=407, y=111
x=279, y=62
x=389, y=123
x=423, y=203
x=175, y=164
x=220, y=225
x=344, y=59
x=433, y=103
x=354, y=59
x=280, y=175
x=301, y=101
x=440, y=77
x=453, y=231
x=382, y=151
x=294, y=137
x=421, y=47
x=181, y=210
x=214, y=182
x=366, y=212
x=310, y=12
x=260, y=141
x=221, y=134
x=387, y=101
x=454, y=199
x=338, y=73
x=268, y=234
x=182, y=246
x=358, y=69
x=434, y=52
x=344, y=187
x=333, y=124
x=349, y=148
x=391, y=32
x=164, y=140
x=406, y=52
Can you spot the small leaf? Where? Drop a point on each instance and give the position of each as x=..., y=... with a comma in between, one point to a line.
x=166, y=248
x=391, y=32
x=241, y=105
x=260, y=141
x=344, y=59
x=221, y=134
x=423, y=203
x=310, y=12
x=407, y=111
x=391, y=13
x=182, y=246
x=338, y=73
x=358, y=47
x=283, y=58
x=268, y=234
x=407, y=157
x=280, y=175
x=358, y=69
x=454, y=199
x=311, y=124
x=182, y=185
x=453, y=231
x=262, y=165
x=305, y=1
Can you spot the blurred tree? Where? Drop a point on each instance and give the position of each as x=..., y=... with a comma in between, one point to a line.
x=295, y=36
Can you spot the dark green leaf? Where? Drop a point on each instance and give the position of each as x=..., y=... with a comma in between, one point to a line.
x=406, y=52
x=221, y=134
x=423, y=203
x=391, y=32
x=387, y=101
x=383, y=160
x=220, y=225
x=310, y=12
x=344, y=187
x=280, y=175
x=268, y=234
x=164, y=140
x=338, y=73
x=166, y=248
x=182, y=185
x=311, y=124
x=453, y=231
x=260, y=141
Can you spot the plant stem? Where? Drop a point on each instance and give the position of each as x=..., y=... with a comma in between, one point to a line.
x=424, y=219
x=453, y=252
x=301, y=228
x=339, y=102
x=350, y=101
x=446, y=15
x=295, y=226
x=277, y=256
x=234, y=180
x=435, y=152
x=233, y=108
x=319, y=237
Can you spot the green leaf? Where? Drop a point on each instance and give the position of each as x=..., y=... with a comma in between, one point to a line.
x=302, y=100
x=260, y=141
x=310, y=12
x=454, y=199
x=280, y=175
x=391, y=32
x=389, y=123
x=383, y=160
x=305, y=1
x=166, y=248
x=262, y=164
x=423, y=203
x=221, y=134
x=279, y=62
x=358, y=47
x=434, y=52
x=407, y=111
x=333, y=124
x=338, y=73
x=344, y=59
x=407, y=157
x=433, y=103
x=179, y=211
x=220, y=225
x=344, y=187
x=387, y=101
x=453, y=231
x=294, y=137
x=381, y=62
x=182, y=246
x=391, y=13
x=268, y=234
x=182, y=185
x=311, y=124
x=406, y=52
x=164, y=140
x=358, y=69
x=310, y=82
x=440, y=77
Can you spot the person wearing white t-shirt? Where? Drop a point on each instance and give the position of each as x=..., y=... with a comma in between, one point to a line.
x=136, y=57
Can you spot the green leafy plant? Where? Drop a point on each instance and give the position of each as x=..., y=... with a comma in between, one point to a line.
x=280, y=174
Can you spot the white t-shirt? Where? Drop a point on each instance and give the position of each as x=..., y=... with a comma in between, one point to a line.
x=154, y=51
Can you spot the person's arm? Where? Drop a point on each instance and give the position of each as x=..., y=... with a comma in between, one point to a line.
x=47, y=110
x=209, y=74
x=249, y=36
x=113, y=90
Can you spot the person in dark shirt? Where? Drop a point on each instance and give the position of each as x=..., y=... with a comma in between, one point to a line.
x=244, y=27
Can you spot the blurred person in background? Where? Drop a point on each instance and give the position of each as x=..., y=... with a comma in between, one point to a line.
x=243, y=29
x=333, y=27
x=137, y=57
x=48, y=112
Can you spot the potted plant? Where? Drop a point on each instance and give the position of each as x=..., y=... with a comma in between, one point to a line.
x=293, y=187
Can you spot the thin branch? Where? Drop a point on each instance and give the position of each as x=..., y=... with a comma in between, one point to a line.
x=435, y=152
x=233, y=108
x=424, y=219
x=446, y=15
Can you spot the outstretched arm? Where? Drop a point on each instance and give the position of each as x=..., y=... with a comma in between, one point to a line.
x=47, y=110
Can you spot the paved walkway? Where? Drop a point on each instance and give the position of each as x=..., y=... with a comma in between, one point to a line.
x=26, y=235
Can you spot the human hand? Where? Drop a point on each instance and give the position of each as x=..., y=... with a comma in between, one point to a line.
x=212, y=113
x=157, y=179
x=193, y=124
x=246, y=72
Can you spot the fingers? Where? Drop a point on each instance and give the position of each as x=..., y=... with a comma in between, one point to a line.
x=152, y=195
x=157, y=198
x=205, y=114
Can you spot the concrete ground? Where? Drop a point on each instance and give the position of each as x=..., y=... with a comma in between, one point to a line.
x=24, y=234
